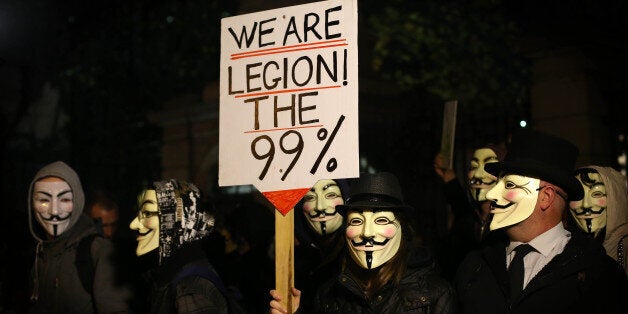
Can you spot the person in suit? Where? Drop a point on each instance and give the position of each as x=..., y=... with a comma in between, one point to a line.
x=542, y=267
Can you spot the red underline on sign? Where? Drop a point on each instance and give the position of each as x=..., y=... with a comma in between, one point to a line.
x=287, y=47
x=286, y=91
x=283, y=129
x=300, y=47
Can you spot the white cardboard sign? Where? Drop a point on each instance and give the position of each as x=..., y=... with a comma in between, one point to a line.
x=289, y=96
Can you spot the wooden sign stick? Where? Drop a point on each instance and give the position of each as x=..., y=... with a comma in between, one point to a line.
x=449, y=132
x=284, y=257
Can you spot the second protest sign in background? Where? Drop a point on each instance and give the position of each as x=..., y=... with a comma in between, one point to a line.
x=289, y=96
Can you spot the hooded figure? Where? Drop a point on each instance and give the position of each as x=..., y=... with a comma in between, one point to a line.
x=170, y=223
x=56, y=222
x=610, y=225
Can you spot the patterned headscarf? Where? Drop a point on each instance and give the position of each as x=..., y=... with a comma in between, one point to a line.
x=183, y=218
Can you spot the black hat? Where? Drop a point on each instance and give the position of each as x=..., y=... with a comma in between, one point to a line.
x=547, y=157
x=375, y=191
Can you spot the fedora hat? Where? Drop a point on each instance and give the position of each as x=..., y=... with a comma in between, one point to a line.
x=543, y=156
x=375, y=191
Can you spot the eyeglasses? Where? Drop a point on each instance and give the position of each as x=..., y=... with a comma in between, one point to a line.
x=559, y=193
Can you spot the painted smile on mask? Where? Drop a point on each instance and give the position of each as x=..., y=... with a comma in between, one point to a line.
x=146, y=224
x=373, y=237
x=481, y=181
x=496, y=208
x=368, y=244
x=590, y=212
x=53, y=204
x=513, y=200
x=479, y=185
x=319, y=207
x=321, y=215
x=55, y=218
x=142, y=234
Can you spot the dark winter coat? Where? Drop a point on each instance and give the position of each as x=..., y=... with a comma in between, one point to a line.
x=173, y=293
x=421, y=290
x=184, y=223
x=582, y=279
x=467, y=232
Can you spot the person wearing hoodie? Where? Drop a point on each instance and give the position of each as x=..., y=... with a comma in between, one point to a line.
x=383, y=272
x=57, y=223
x=171, y=223
x=603, y=212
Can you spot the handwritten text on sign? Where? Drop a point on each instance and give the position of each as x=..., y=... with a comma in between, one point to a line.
x=289, y=96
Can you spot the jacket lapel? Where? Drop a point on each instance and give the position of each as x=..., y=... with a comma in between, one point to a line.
x=495, y=257
x=562, y=265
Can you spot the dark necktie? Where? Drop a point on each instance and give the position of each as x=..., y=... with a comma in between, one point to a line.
x=516, y=270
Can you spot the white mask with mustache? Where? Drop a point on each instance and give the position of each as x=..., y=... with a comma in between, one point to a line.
x=53, y=202
x=147, y=222
x=319, y=207
x=513, y=200
x=590, y=212
x=481, y=181
x=373, y=237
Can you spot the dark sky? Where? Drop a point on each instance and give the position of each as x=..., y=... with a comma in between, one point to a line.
x=26, y=28
x=573, y=21
x=33, y=31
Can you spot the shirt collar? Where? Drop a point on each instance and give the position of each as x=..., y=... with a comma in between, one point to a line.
x=545, y=242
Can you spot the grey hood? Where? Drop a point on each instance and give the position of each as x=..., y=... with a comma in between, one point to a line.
x=60, y=170
x=616, y=210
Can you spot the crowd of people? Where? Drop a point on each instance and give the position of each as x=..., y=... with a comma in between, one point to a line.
x=511, y=246
x=528, y=232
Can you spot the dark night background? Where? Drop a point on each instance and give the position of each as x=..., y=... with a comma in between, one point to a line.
x=80, y=80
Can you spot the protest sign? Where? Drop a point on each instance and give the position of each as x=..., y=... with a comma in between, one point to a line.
x=449, y=132
x=289, y=99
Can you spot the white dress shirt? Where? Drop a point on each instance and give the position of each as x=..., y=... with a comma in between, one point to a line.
x=547, y=245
